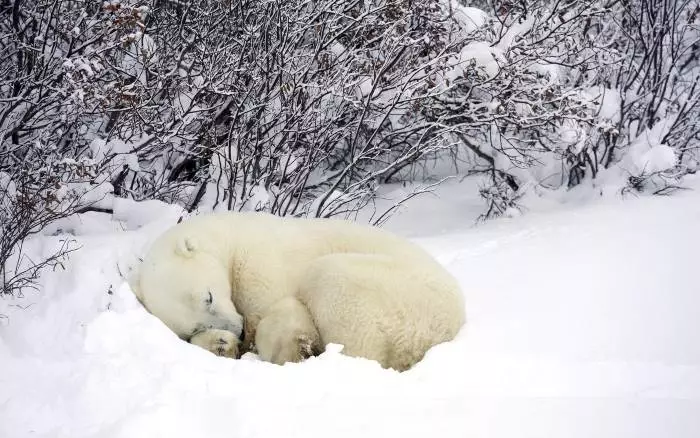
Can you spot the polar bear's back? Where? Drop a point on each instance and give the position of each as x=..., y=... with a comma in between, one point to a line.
x=297, y=240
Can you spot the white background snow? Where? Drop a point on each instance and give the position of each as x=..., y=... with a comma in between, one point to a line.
x=583, y=321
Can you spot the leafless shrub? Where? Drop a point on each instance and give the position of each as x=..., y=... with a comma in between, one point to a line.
x=36, y=189
x=580, y=88
x=304, y=107
x=294, y=107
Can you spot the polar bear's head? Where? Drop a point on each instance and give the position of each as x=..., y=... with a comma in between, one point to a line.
x=189, y=290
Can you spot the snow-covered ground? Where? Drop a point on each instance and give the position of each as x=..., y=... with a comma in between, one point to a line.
x=584, y=321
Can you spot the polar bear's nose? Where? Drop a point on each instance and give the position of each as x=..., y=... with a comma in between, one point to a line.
x=225, y=324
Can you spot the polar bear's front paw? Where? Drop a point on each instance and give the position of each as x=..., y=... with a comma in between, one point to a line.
x=220, y=342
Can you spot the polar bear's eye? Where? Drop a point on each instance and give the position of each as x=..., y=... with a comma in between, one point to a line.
x=209, y=299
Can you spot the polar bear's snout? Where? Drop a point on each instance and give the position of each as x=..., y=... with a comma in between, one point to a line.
x=233, y=326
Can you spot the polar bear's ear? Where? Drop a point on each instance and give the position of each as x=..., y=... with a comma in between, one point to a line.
x=186, y=247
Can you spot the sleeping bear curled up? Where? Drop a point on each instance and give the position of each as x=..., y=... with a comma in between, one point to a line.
x=286, y=287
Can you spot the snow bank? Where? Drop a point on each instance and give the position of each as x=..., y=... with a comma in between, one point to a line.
x=582, y=322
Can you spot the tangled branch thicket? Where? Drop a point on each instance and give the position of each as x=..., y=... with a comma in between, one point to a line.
x=303, y=107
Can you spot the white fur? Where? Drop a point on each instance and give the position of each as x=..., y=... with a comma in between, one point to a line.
x=301, y=284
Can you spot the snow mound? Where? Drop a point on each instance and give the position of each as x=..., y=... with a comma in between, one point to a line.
x=581, y=322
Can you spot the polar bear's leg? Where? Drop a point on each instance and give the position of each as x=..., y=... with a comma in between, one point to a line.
x=347, y=307
x=381, y=307
x=286, y=333
x=220, y=342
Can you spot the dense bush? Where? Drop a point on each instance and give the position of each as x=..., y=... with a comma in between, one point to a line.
x=304, y=107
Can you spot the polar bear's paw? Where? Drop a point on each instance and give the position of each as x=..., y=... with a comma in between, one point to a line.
x=307, y=347
x=295, y=348
x=281, y=347
x=220, y=342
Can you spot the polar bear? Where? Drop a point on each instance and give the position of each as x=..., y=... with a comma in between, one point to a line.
x=286, y=287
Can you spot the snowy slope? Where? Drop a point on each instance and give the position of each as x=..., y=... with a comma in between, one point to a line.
x=583, y=322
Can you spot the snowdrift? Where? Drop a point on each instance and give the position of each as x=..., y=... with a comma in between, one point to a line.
x=582, y=322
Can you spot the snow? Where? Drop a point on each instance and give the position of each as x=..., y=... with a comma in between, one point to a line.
x=582, y=322
x=469, y=18
x=513, y=31
x=648, y=153
x=481, y=54
x=609, y=109
x=658, y=158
